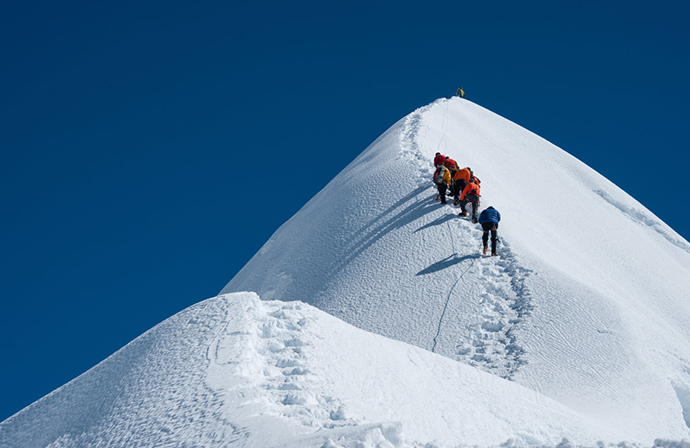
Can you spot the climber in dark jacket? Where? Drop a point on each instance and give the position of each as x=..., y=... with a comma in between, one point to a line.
x=489, y=220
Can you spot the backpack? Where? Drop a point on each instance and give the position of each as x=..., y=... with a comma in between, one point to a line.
x=472, y=195
x=438, y=175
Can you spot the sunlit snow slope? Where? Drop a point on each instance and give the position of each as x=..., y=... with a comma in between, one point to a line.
x=377, y=324
x=234, y=371
x=588, y=303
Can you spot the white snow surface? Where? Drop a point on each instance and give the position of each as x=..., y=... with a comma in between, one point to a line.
x=380, y=325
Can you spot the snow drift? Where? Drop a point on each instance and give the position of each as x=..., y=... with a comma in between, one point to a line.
x=380, y=324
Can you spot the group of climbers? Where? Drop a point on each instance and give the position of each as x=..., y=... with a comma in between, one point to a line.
x=462, y=183
x=465, y=188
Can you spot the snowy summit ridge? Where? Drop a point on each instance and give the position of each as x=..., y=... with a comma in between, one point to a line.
x=376, y=323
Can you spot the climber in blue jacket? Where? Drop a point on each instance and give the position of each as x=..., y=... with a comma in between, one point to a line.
x=489, y=220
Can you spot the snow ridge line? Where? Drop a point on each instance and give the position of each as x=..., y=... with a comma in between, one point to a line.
x=641, y=217
x=409, y=148
x=506, y=299
x=443, y=130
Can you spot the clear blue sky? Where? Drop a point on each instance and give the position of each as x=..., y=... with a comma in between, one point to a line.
x=131, y=135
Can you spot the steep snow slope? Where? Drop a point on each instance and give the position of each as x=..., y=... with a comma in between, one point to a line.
x=235, y=371
x=579, y=330
x=588, y=303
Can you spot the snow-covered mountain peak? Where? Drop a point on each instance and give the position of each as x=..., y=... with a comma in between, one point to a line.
x=587, y=276
x=377, y=323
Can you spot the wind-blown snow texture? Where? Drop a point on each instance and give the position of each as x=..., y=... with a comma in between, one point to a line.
x=579, y=330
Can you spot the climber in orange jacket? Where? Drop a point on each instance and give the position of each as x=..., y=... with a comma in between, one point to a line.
x=460, y=179
x=451, y=164
x=470, y=194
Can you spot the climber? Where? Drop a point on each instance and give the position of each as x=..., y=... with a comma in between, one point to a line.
x=439, y=159
x=452, y=166
x=470, y=194
x=489, y=219
x=460, y=93
x=460, y=179
x=442, y=181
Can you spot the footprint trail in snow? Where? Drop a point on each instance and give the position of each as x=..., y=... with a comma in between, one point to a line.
x=484, y=308
x=489, y=299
